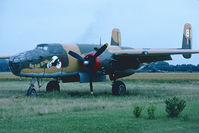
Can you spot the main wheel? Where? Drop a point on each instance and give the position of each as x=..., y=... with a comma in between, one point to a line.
x=53, y=86
x=118, y=88
x=31, y=92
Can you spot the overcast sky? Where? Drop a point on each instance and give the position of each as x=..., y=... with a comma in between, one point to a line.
x=143, y=23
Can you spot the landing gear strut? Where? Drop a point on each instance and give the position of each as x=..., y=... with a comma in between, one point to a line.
x=118, y=88
x=53, y=86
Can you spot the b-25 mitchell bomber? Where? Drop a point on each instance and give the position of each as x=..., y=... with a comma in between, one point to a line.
x=90, y=63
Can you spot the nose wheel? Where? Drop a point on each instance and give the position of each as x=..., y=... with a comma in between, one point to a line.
x=53, y=86
x=118, y=88
x=31, y=90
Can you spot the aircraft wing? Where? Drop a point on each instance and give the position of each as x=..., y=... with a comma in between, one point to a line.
x=150, y=55
x=4, y=57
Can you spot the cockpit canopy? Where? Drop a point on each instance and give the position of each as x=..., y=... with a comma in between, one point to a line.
x=51, y=48
x=42, y=47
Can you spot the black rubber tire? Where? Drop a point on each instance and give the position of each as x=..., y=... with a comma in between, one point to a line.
x=31, y=92
x=118, y=88
x=53, y=86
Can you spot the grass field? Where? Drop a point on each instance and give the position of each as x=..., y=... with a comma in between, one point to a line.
x=74, y=110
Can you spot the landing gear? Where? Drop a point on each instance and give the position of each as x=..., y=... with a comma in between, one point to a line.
x=118, y=88
x=31, y=91
x=53, y=86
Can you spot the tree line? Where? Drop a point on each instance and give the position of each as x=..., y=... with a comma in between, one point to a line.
x=166, y=67
x=4, y=66
x=153, y=67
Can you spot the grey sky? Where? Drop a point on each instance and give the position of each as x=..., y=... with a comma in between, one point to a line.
x=143, y=23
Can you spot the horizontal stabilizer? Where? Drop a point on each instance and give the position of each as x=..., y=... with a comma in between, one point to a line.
x=4, y=57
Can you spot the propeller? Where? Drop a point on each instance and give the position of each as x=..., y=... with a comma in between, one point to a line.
x=101, y=50
x=89, y=61
x=75, y=55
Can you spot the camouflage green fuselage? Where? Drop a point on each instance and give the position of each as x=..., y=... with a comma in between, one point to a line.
x=35, y=63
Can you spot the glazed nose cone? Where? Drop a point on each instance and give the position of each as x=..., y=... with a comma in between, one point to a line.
x=14, y=65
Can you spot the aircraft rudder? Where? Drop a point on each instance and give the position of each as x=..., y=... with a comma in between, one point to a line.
x=187, y=39
x=116, y=37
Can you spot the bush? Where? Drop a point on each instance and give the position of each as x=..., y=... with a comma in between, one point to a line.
x=137, y=110
x=151, y=112
x=174, y=106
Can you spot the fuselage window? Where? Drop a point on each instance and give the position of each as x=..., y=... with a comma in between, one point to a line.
x=42, y=48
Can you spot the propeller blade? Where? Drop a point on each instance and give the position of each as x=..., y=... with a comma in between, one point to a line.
x=101, y=50
x=91, y=79
x=91, y=86
x=77, y=56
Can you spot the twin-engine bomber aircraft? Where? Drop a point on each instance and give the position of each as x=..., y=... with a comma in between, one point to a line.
x=90, y=63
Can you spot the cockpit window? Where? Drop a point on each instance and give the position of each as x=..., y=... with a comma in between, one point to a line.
x=45, y=48
x=42, y=47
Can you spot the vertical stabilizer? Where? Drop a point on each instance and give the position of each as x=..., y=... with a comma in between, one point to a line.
x=116, y=37
x=186, y=42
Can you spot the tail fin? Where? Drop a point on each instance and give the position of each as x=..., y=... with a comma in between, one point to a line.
x=116, y=37
x=186, y=42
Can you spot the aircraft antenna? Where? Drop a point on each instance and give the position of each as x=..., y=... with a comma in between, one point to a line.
x=100, y=41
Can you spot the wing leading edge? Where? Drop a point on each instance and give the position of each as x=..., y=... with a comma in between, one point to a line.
x=149, y=52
